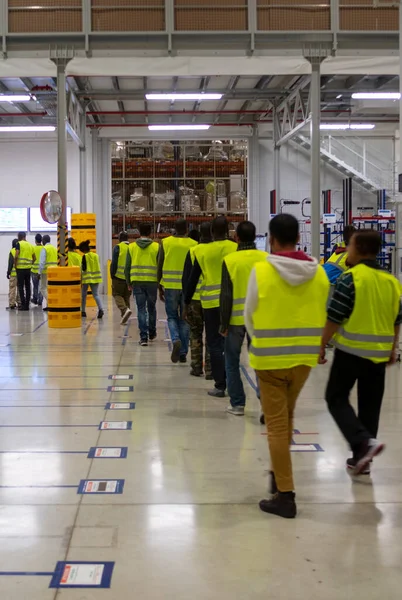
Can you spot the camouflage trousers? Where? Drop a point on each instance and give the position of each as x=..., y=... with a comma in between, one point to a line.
x=195, y=316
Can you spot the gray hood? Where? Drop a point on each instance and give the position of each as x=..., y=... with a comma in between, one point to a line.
x=292, y=270
x=144, y=242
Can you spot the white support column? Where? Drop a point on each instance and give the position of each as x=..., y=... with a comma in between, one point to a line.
x=102, y=201
x=253, y=182
x=83, y=179
x=89, y=137
x=397, y=267
x=277, y=158
x=3, y=27
x=315, y=157
x=62, y=153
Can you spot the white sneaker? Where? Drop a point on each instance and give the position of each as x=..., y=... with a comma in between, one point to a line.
x=235, y=410
x=125, y=317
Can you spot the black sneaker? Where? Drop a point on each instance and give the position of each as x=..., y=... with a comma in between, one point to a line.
x=196, y=373
x=143, y=342
x=282, y=504
x=351, y=466
x=175, y=356
x=152, y=337
x=209, y=377
x=100, y=314
x=183, y=358
x=273, y=487
x=215, y=393
x=368, y=450
x=11, y=307
x=83, y=313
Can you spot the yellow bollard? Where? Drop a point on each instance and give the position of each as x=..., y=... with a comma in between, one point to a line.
x=64, y=297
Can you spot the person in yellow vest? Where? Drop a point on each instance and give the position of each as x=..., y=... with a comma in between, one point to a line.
x=24, y=259
x=91, y=276
x=208, y=259
x=336, y=264
x=74, y=258
x=141, y=277
x=13, y=296
x=37, y=297
x=236, y=270
x=172, y=255
x=48, y=258
x=363, y=320
x=120, y=289
x=195, y=314
x=284, y=315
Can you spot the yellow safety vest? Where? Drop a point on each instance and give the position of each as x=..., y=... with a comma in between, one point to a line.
x=239, y=266
x=143, y=262
x=288, y=321
x=210, y=258
x=13, y=270
x=121, y=263
x=51, y=257
x=74, y=259
x=369, y=331
x=25, y=256
x=35, y=266
x=339, y=260
x=176, y=249
x=197, y=293
x=93, y=273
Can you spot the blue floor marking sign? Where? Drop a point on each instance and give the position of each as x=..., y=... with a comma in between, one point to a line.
x=105, y=452
x=74, y=574
x=120, y=406
x=120, y=388
x=113, y=425
x=101, y=486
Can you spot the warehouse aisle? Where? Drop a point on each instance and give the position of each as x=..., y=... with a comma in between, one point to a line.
x=181, y=518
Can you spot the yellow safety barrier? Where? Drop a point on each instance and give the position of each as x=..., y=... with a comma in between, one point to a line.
x=64, y=297
x=109, y=279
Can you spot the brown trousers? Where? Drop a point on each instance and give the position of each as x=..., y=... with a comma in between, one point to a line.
x=280, y=389
x=13, y=295
x=121, y=294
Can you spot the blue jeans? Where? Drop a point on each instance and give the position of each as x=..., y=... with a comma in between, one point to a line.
x=145, y=294
x=95, y=293
x=233, y=345
x=37, y=297
x=179, y=329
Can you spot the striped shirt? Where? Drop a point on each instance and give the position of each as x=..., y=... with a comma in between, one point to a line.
x=343, y=300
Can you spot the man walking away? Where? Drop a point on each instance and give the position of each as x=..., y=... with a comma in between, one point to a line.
x=236, y=270
x=195, y=313
x=74, y=259
x=141, y=271
x=120, y=290
x=284, y=316
x=172, y=255
x=37, y=297
x=24, y=258
x=13, y=296
x=364, y=317
x=208, y=259
x=91, y=276
x=48, y=258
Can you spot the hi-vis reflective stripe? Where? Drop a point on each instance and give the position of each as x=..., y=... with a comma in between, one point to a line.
x=209, y=298
x=148, y=268
x=288, y=333
x=211, y=288
x=141, y=274
x=27, y=261
x=237, y=313
x=362, y=337
x=363, y=352
x=90, y=275
x=239, y=301
x=342, y=254
x=282, y=350
x=172, y=272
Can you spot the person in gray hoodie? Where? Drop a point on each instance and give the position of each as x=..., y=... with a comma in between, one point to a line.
x=141, y=277
x=285, y=313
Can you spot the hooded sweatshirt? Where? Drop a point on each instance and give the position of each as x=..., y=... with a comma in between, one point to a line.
x=293, y=267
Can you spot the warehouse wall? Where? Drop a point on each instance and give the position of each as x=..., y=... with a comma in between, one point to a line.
x=28, y=168
x=295, y=180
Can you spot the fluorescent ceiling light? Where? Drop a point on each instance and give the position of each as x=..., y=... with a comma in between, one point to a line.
x=178, y=127
x=29, y=128
x=15, y=98
x=177, y=96
x=345, y=126
x=376, y=96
